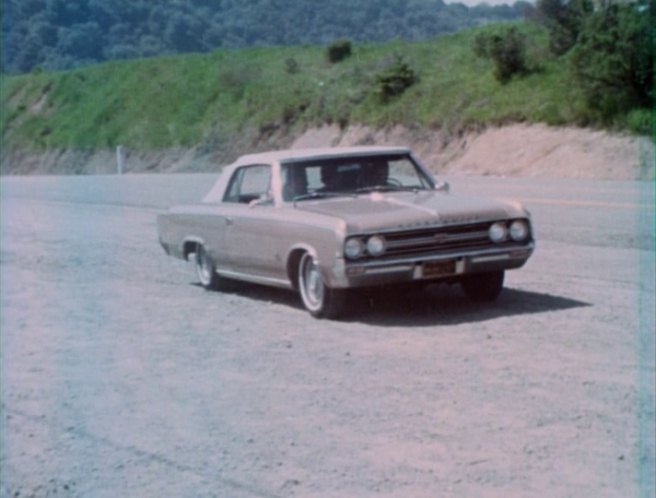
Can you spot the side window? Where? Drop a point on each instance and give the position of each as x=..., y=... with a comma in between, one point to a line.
x=248, y=184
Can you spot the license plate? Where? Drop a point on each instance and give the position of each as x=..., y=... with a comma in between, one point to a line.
x=438, y=268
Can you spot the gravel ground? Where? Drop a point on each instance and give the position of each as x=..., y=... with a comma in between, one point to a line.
x=122, y=377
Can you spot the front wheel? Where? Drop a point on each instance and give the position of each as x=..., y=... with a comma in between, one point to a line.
x=483, y=287
x=206, y=270
x=320, y=300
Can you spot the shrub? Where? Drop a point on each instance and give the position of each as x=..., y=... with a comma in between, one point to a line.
x=640, y=121
x=506, y=49
x=292, y=66
x=564, y=21
x=338, y=51
x=395, y=79
x=613, y=61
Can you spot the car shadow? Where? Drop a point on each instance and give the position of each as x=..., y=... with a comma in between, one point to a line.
x=258, y=292
x=447, y=305
x=418, y=307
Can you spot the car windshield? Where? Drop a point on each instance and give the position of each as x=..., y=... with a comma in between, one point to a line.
x=352, y=175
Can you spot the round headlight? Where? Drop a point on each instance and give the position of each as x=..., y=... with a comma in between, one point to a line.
x=518, y=230
x=353, y=248
x=376, y=245
x=498, y=232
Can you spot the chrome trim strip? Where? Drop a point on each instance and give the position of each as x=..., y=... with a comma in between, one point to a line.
x=388, y=269
x=481, y=253
x=487, y=259
x=276, y=282
x=439, y=226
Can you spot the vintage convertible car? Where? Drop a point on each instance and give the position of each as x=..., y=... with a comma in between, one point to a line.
x=325, y=221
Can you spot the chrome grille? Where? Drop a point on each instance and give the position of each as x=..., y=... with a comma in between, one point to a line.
x=435, y=241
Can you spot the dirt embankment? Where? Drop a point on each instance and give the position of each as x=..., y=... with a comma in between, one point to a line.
x=514, y=150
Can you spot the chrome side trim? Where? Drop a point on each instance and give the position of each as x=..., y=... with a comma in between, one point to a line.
x=256, y=279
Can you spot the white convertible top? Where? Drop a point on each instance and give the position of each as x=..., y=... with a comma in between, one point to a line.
x=327, y=152
x=292, y=155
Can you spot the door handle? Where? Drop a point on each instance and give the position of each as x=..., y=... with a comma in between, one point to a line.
x=230, y=221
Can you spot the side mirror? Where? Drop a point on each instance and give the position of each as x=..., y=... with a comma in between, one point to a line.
x=442, y=186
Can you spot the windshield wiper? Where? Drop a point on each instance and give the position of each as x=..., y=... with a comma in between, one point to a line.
x=318, y=195
x=386, y=188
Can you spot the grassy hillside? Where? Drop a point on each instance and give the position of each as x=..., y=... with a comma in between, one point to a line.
x=212, y=98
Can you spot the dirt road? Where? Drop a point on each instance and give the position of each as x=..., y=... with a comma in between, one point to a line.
x=122, y=377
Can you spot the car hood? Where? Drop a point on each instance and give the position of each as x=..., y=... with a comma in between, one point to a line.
x=408, y=210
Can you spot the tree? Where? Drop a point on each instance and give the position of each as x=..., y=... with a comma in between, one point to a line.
x=29, y=54
x=45, y=32
x=104, y=13
x=613, y=60
x=199, y=25
x=150, y=46
x=564, y=20
x=184, y=33
x=29, y=8
x=67, y=13
x=115, y=52
x=83, y=41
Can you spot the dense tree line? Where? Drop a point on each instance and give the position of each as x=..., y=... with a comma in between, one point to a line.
x=61, y=34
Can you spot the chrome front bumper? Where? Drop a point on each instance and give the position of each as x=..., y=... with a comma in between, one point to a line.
x=412, y=269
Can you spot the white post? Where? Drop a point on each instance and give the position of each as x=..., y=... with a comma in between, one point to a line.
x=120, y=159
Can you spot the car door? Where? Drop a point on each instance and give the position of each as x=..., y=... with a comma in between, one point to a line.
x=249, y=210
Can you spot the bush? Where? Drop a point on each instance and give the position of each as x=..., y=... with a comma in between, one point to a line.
x=640, y=121
x=564, y=21
x=613, y=61
x=395, y=79
x=292, y=66
x=506, y=49
x=338, y=51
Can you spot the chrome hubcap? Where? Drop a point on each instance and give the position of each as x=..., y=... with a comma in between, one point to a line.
x=312, y=287
x=203, y=266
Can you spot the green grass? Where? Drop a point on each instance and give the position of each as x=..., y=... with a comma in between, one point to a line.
x=220, y=96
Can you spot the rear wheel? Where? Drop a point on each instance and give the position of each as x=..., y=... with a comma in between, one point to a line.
x=483, y=287
x=320, y=300
x=206, y=270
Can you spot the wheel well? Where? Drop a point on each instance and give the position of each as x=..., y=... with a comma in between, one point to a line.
x=189, y=247
x=292, y=266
